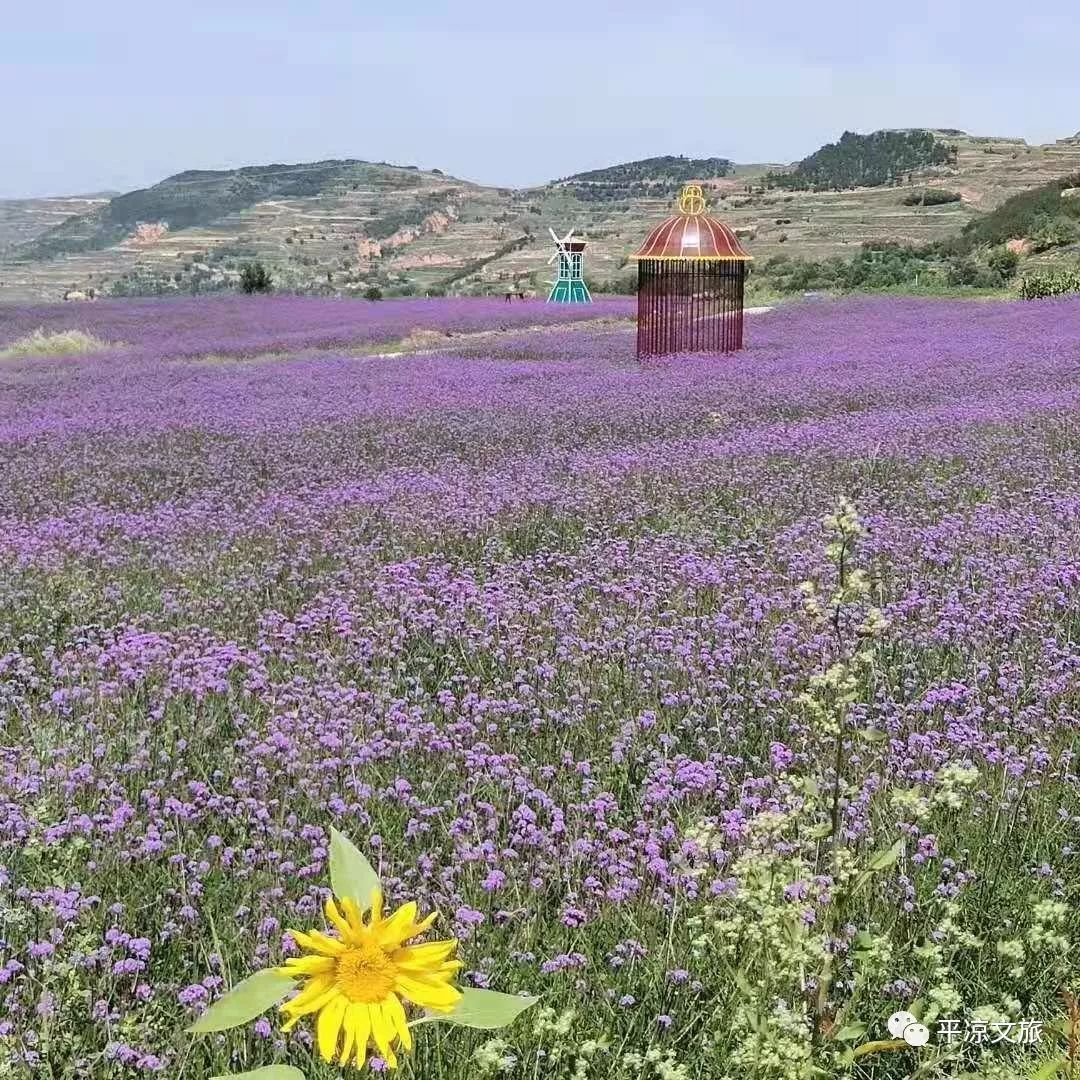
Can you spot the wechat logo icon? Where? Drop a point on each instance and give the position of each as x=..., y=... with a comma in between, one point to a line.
x=906, y=1026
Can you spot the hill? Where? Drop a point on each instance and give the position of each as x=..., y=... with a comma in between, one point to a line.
x=21, y=220
x=882, y=157
x=647, y=178
x=342, y=227
x=195, y=198
x=1048, y=216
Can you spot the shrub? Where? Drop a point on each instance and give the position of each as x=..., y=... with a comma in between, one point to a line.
x=961, y=271
x=1025, y=214
x=1053, y=283
x=885, y=265
x=930, y=197
x=1054, y=234
x=61, y=343
x=373, y=292
x=1004, y=262
x=624, y=284
x=255, y=278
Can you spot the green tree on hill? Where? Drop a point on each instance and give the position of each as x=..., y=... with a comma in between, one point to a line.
x=255, y=278
x=657, y=177
x=679, y=169
x=883, y=157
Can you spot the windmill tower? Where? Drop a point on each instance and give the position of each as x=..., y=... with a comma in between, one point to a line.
x=569, y=287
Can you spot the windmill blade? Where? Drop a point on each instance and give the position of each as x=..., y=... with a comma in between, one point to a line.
x=560, y=245
x=559, y=249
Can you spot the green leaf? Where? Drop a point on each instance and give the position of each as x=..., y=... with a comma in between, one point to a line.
x=1049, y=1069
x=244, y=1002
x=486, y=1009
x=851, y=1032
x=879, y=1046
x=918, y=1008
x=744, y=986
x=270, y=1072
x=884, y=859
x=873, y=735
x=351, y=875
x=819, y=832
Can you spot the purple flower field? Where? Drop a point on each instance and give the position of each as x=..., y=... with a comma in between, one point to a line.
x=244, y=325
x=591, y=655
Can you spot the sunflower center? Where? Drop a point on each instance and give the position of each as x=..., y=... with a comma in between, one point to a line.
x=365, y=973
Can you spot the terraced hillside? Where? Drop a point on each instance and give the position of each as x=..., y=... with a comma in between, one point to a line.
x=347, y=226
x=23, y=220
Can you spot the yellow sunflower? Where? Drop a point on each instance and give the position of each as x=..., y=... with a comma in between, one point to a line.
x=356, y=982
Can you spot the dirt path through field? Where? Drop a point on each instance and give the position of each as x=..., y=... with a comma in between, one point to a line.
x=429, y=342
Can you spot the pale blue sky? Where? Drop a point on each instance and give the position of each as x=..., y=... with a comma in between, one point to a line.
x=119, y=94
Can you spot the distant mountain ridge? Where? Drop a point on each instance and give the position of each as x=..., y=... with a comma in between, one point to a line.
x=202, y=196
x=646, y=177
x=344, y=226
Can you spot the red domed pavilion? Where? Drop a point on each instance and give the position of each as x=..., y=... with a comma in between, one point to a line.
x=691, y=279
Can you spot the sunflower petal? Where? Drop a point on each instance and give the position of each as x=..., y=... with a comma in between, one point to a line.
x=441, y=1008
x=318, y=943
x=354, y=916
x=424, y=956
x=328, y=1027
x=290, y=1008
x=427, y=995
x=348, y=1033
x=335, y=946
x=308, y=965
x=335, y=917
x=383, y=1034
x=391, y=931
x=417, y=928
x=394, y=1012
x=376, y=906
x=362, y=1025
x=315, y=988
x=447, y=970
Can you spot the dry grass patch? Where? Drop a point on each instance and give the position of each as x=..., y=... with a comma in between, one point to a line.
x=60, y=343
x=234, y=359
x=423, y=339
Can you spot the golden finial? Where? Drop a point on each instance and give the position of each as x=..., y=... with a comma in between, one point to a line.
x=692, y=201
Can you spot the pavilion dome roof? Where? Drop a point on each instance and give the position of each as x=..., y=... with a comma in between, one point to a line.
x=691, y=234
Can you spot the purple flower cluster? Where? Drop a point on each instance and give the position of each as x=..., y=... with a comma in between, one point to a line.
x=518, y=618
